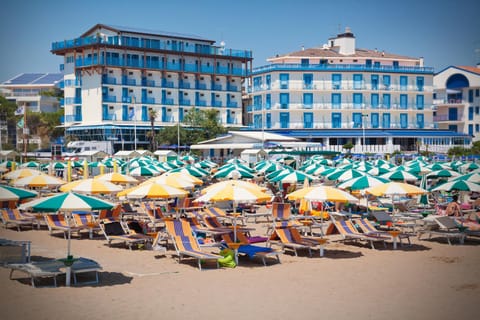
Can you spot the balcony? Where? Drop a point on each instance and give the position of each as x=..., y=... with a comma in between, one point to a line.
x=167, y=84
x=216, y=103
x=201, y=103
x=148, y=83
x=107, y=98
x=184, y=85
x=445, y=117
x=73, y=100
x=201, y=86
x=232, y=104
x=109, y=80
x=167, y=101
x=108, y=117
x=185, y=102
x=148, y=100
x=129, y=82
x=232, y=88
x=216, y=87
x=72, y=118
x=125, y=100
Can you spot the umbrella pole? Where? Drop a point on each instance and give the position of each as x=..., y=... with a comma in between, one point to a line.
x=68, y=267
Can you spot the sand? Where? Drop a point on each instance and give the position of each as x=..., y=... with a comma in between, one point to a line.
x=428, y=280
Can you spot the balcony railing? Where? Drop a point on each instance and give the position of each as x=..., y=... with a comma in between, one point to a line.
x=167, y=101
x=185, y=102
x=148, y=100
x=232, y=104
x=201, y=103
x=216, y=103
x=107, y=98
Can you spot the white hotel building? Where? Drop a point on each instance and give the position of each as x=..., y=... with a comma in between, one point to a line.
x=337, y=93
x=115, y=75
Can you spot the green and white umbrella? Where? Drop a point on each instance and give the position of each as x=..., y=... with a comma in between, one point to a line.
x=342, y=175
x=191, y=170
x=362, y=182
x=444, y=173
x=30, y=164
x=469, y=166
x=235, y=172
x=66, y=203
x=13, y=194
x=399, y=175
x=458, y=185
x=144, y=172
x=293, y=177
x=471, y=177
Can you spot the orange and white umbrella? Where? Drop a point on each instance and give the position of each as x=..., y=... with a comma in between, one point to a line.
x=41, y=180
x=91, y=186
x=153, y=191
x=115, y=177
x=395, y=188
x=322, y=193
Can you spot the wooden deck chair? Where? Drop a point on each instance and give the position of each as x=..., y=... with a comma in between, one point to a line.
x=368, y=228
x=110, y=215
x=186, y=244
x=58, y=222
x=252, y=251
x=86, y=221
x=348, y=232
x=15, y=218
x=290, y=238
x=116, y=231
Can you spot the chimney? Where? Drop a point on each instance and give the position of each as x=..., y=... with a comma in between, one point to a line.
x=345, y=41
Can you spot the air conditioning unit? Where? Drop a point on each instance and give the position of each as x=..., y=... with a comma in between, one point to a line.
x=169, y=110
x=111, y=107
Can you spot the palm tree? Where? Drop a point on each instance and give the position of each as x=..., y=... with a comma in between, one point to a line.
x=152, y=114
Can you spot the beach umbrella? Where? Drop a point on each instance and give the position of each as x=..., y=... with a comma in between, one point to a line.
x=362, y=182
x=395, y=188
x=423, y=199
x=293, y=177
x=144, y=172
x=9, y=164
x=91, y=186
x=322, y=193
x=30, y=164
x=280, y=172
x=191, y=170
x=469, y=166
x=458, y=185
x=184, y=176
x=13, y=194
x=471, y=177
x=228, y=183
x=41, y=180
x=436, y=166
x=443, y=173
x=173, y=181
x=66, y=203
x=342, y=175
x=21, y=173
x=205, y=164
x=116, y=177
x=399, y=175
x=236, y=172
x=153, y=191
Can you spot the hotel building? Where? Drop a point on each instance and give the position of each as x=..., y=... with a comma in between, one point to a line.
x=116, y=78
x=337, y=93
x=457, y=100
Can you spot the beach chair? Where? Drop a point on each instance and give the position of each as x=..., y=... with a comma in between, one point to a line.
x=86, y=221
x=252, y=251
x=214, y=212
x=368, y=228
x=57, y=222
x=116, y=231
x=15, y=218
x=444, y=227
x=290, y=238
x=154, y=214
x=386, y=220
x=53, y=268
x=110, y=215
x=186, y=244
x=348, y=232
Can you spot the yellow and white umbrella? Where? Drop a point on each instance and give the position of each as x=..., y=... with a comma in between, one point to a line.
x=41, y=180
x=322, y=193
x=91, y=186
x=115, y=177
x=152, y=191
x=233, y=191
x=395, y=188
x=21, y=173
x=173, y=181
x=228, y=183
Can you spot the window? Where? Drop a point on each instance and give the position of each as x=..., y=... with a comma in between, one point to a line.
x=374, y=120
x=420, y=83
x=403, y=101
x=403, y=83
x=477, y=92
x=374, y=81
x=336, y=81
x=284, y=120
x=284, y=100
x=357, y=81
x=403, y=120
x=308, y=100
x=420, y=102
x=386, y=121
x=470, y=96
x=477, y=128
x=470, y=113
x=477, y=110
x=268, y=81
x=420, y=121
x=336, y=100
x=284, y=80
x=305, y=62
x=386, y=100
x=268, y=120
x=470, y=129
x=308, y=120
x=307, y=81
x=257, y=83
x=386, y=82
x=357, y=100
x=374, y=100
x=268, y=101
x=336, y=120
x=357, y=120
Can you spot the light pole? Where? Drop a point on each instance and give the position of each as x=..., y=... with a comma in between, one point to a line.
x=134, y=124
x=363, y=131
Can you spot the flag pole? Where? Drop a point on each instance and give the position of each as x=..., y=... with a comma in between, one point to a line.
x=24, y=133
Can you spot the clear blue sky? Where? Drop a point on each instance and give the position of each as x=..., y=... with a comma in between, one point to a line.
x=443, y=32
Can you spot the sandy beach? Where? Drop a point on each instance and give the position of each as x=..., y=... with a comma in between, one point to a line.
x=428, y=280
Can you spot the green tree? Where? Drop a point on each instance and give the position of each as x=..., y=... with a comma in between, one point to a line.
x=152, y=115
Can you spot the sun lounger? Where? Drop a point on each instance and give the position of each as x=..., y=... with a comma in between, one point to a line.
x=54, y=268
x=154, y=213
x=110, y=215
x=15, y=218
x=290, y=238
x=58, y=222
x=368, y=228
x=187, y=245
x=86, y=221
x=386, y=220
x=115, y=231
x=444, y=227
x=252, y=251
x=348, y=232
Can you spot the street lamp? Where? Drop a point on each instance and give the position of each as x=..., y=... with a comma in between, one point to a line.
x=134, y=124
x=363, y=130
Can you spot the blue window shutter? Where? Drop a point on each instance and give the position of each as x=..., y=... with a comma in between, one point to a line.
x=336, y=100
x=374, y=120
x=268, y=120
x=403, y=120
x=386, y=121
x=386, y=100
x=420, y=102
x=420, y=121
x=374, y=81
x=403, y=101
x=420, y=83
x=308, y=120
x=357, y=120
x=374, y=100
x=386, y=81
x=336, y=120
x=336, y=81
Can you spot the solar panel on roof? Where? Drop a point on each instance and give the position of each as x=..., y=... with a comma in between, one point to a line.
x=25, y=78
x=49, y=78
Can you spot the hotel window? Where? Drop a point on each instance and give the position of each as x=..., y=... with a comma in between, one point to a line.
x=477, y=92
x=477, y=110
x=284, y=80
x=357, y=101
x=268, y=120
x=308, y=120
x=307, y=81
x=477, y=128
x=420, y=121
x=403, y=83
x=336, y=120
x=268, y=101
x=308, y=100
x=257, y=83
x=357, y=81
x=403, y=120
x=284, y=120
x=420, y=83
x=268, y=81
x=420, y=102
x=386, y=82
x=305, y=62
x=403, y=101
x=336, y=101
x=470, y=96
x=470, y=129
x=357, y=120
x=374, y=120
x=470, y=113
x=374, y=81
x=374, y=100
x=284, y=100
x=336, y=81
x=386, y=121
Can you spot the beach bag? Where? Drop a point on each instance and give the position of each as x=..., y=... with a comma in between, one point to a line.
x=228, y=260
